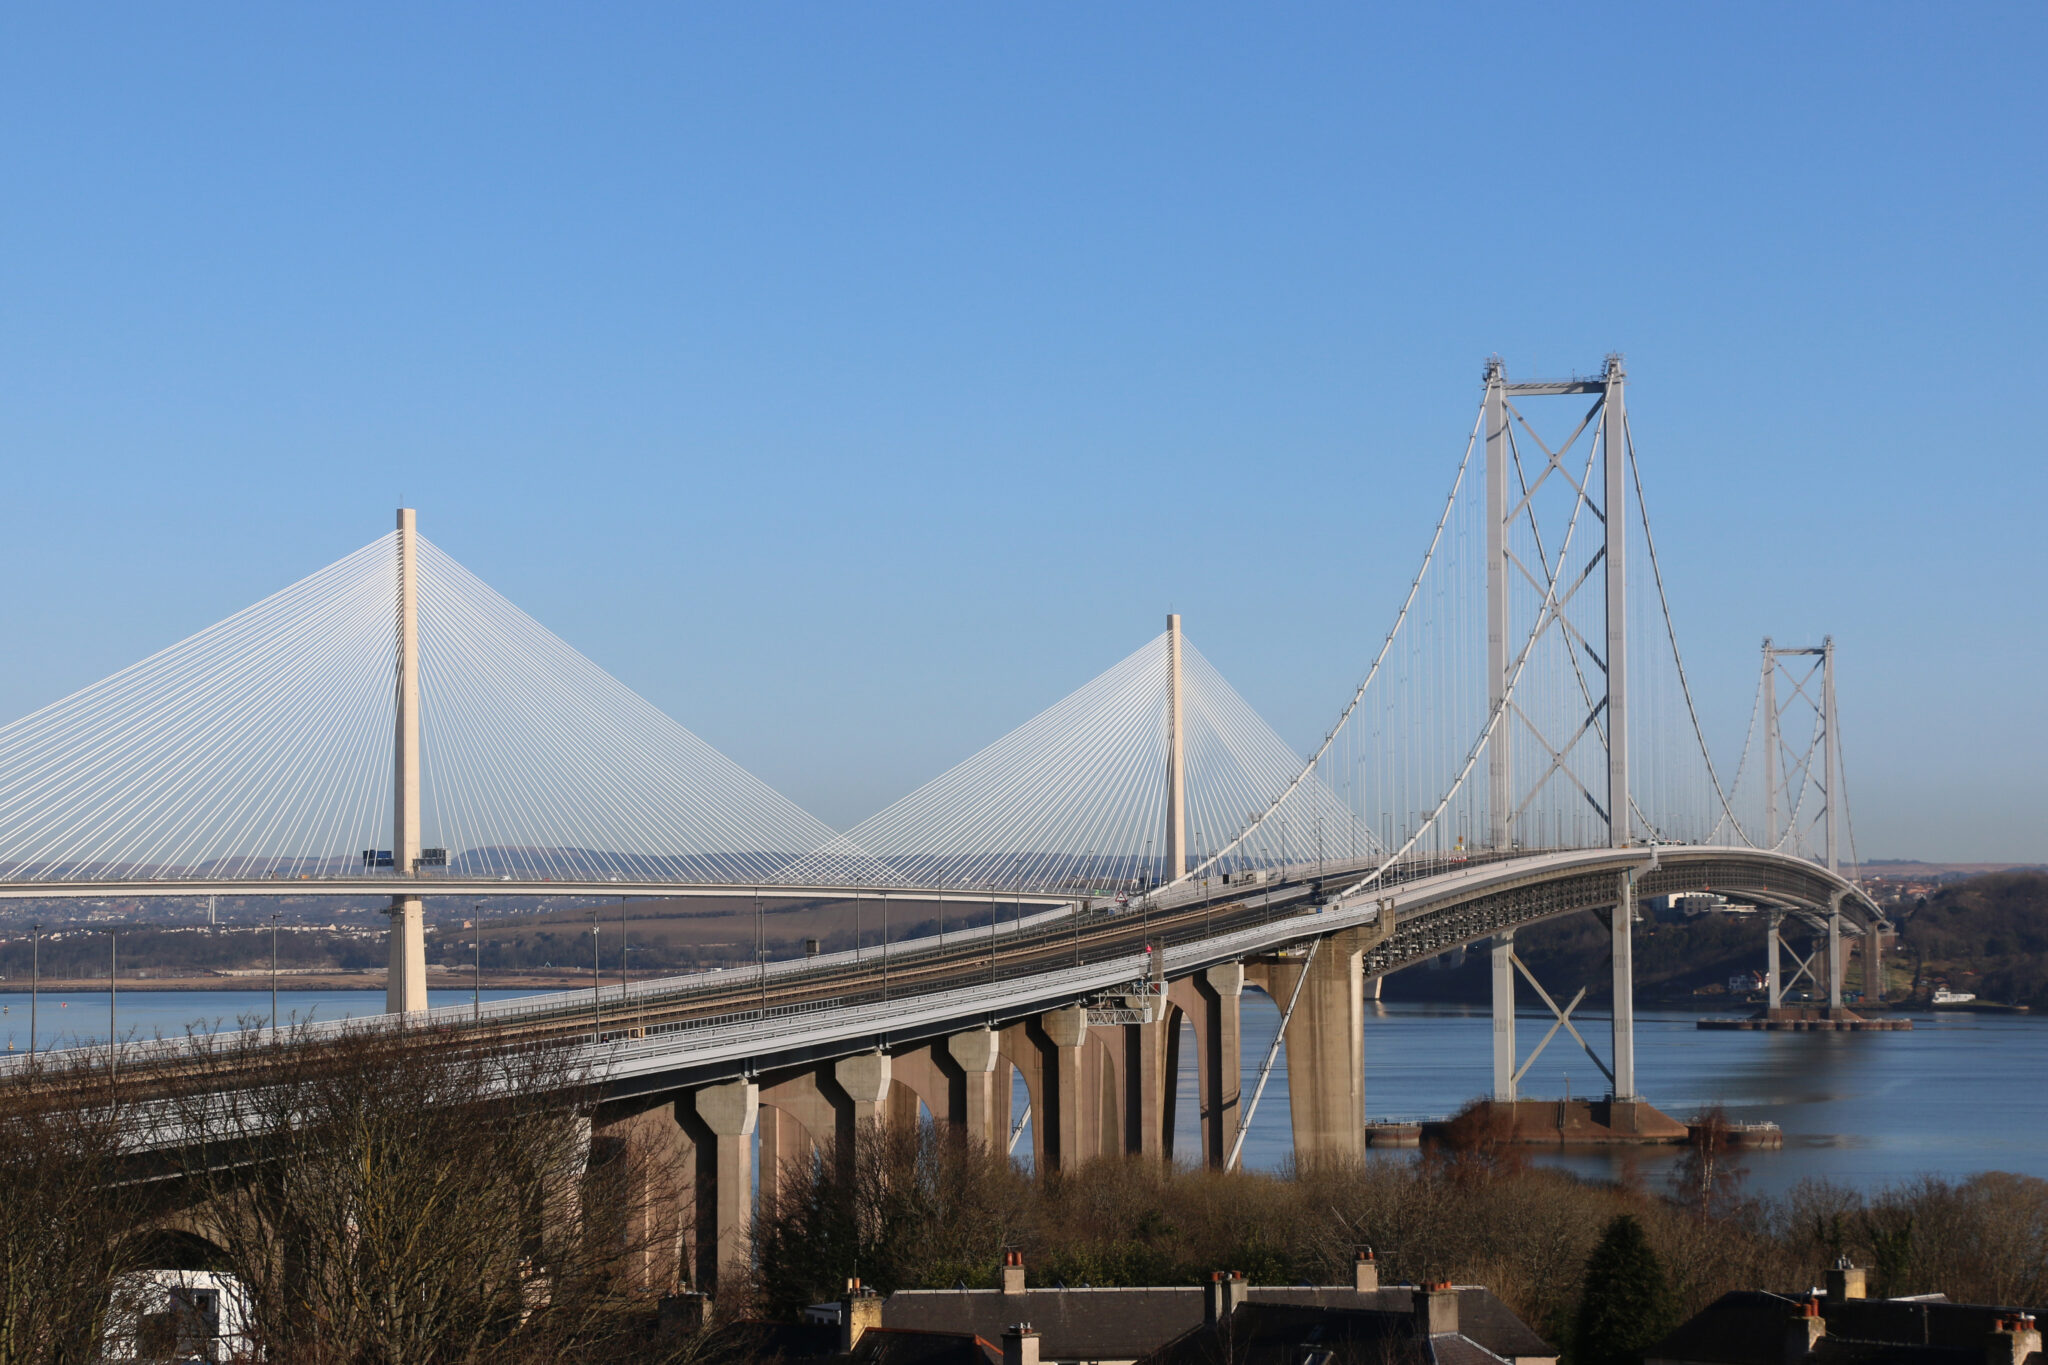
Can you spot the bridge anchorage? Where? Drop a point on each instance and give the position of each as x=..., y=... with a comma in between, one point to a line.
x=1109, y=878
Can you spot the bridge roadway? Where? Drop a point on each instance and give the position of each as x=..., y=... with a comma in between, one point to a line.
x=1087, y=1004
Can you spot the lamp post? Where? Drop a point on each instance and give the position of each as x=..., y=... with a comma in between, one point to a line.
x=35, y=981
x=113, y=993
x=476, y=1010
x=885, y=945
x=596, y=1000
x=273, y=975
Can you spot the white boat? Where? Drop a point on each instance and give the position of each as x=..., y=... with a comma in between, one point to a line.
x=1944, y=996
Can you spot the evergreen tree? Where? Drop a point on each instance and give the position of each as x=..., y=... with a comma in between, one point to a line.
x=1627, y=1302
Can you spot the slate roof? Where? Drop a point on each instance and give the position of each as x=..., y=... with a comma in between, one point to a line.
x=1114, y=1324
x=1748, y=1327
x=1287, y=1333
x=808, y=1341
x=1125, y=1323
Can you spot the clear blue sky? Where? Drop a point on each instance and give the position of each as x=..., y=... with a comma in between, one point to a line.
x=854, y=381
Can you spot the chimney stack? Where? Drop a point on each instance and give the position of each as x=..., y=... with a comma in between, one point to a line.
x=1013, y=1272
x=2012, y=1340
x=1804, y=1331
x=1436, y=1309
x=1846, y=1281
x=1365, y=1274
x=1222, y=1295
x=1020, y=1344
x=860, y=1310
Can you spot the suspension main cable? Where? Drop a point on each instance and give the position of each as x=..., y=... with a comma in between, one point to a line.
x=1414, y=588
x=1671, y=631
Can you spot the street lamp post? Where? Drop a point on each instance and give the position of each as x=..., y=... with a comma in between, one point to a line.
x=596, y=999
x=476, y=1009
x=113, y=994
x=35, y=981
x=273, y=976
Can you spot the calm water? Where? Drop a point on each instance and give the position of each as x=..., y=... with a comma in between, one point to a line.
x=1960, y=1093
x=79, y=1018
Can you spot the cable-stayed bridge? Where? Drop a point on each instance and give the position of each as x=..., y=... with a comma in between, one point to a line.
x=1523, y=742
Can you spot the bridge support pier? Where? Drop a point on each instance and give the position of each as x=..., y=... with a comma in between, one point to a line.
x=1504, y=1087
x=1623, y=925
x=721, y=1127
x=1774, y=977
x=1325, y=1044
x=1835, y=956
x=971, y=1106
x=1212, y=1001
x=1067, y=1096
x=866, y=1080
x=405, y=985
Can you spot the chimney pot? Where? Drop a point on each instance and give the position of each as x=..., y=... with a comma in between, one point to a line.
x=1365, y=1272
x=1013, y=1272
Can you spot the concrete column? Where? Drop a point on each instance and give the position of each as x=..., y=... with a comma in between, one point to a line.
x=1176, y=772
x=1067, y=1097
x=725, y=1117
x=405, y=982
x=405, y=987
x=1835, y=957
x=1148, y=1085
x=1212, y=1001
x=1504, y=1059
x=640, y=1169
x=973, y=1106
x=866, y=1080
x=1623, y=925
x=1325, y=1042
x=1774, y=978
x=782, y=1141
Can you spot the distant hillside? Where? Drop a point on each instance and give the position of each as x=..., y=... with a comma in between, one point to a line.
x=1988, y=934
x=1672, y=961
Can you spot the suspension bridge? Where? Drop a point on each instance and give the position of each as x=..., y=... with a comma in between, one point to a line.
x=1523, y=743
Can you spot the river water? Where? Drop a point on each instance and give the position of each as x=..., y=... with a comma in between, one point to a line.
x=1959, y=1093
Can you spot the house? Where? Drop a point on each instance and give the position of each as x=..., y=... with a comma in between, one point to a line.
x=1842, y=1325
x=1420, y=1325
x=1056, y=1325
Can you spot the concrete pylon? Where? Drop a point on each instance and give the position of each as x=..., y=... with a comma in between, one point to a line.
x=866, y=1080
x=1176, y=769
x=405, y=986
x=1325, y=1042
x=1212, y=1002
x=1623, y=927
x=723, y=1132
x=972, y=1108
x=1066, y=1096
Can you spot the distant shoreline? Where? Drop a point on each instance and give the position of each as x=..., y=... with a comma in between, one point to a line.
x=339, y=981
